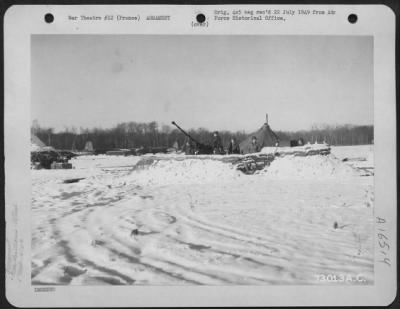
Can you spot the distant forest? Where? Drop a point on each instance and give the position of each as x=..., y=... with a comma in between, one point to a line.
x=129, y=135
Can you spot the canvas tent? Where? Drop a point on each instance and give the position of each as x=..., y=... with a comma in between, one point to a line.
x=89, y=146
x=38, y=145
x=265, y=138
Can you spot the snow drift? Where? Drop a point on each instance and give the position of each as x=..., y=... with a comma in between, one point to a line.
x=309, y=167
x=183, y=221
x=188, y=171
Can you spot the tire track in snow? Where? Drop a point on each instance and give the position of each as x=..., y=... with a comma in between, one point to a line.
x=224, y=231
x=171, y=234
x=173, y=243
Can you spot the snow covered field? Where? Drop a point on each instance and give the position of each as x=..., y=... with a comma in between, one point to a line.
x=177, y=222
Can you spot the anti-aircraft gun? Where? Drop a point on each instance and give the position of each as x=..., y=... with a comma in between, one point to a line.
x=200, y=147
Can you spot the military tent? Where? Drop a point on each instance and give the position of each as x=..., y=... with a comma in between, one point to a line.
x=36, y=143
x=265, y=138
x=89, y=146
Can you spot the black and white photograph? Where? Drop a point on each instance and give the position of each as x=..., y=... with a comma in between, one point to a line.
x=200, y=156
x=202, y=160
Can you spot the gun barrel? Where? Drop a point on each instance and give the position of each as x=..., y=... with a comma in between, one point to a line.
x=184, y=132
x=202, y=148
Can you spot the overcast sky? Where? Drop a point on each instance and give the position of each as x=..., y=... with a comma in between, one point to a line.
x=216, y=82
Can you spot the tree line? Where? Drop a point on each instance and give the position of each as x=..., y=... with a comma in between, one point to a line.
x=338, y=135
x=129, y=135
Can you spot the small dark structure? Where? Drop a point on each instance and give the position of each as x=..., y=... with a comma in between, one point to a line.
x=295, y=143
x=153, y=150
x=118, y=152
x=49, y=159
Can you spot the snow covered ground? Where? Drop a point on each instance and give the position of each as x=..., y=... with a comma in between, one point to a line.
x=135, y=220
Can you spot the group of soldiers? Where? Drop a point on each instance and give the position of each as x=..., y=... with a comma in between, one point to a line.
x=233, y=148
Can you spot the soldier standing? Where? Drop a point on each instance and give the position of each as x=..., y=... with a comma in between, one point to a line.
x=254, y=147
x=217, y=144
x=188, y=147
x=233, y=147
